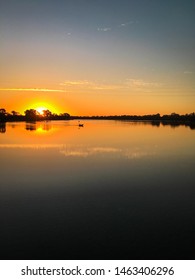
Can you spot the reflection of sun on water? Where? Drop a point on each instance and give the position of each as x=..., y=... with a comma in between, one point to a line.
x=44, y=128
x=41, y=130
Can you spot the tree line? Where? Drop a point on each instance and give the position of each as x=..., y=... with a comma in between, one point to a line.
x=34, y=115
x=153, y=117
x=31, y=115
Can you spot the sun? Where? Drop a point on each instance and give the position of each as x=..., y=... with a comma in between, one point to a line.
x=41, y=106
x=40, y=110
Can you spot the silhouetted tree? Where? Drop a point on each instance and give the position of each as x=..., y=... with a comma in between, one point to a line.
x=47, y=114
x=65, y=116
x=14, y=113
x=31, y=115
x=2, y=114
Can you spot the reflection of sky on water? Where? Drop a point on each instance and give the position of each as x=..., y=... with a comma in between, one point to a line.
x=66, y=157
x=73, y=151
x=86, y=152
x=108, y=185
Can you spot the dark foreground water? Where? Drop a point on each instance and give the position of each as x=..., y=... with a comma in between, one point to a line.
x=108, y=190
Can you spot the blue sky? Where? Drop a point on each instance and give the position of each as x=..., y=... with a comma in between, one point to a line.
x=117, y=52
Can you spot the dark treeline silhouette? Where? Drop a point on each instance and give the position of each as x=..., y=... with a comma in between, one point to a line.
x=156, y=119
x=31, y=115
x=173, y=119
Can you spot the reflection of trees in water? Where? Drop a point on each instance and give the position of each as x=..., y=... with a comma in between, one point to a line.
x=31, y=126
x=46, y=126
x=2, y=127
x=172, y=124
x=175, y=124
x=141, y=123
x=192, y=125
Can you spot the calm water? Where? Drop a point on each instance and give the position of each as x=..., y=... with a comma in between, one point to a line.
x=108, y=190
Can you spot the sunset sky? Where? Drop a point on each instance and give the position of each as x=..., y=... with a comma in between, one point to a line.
x=98, y=57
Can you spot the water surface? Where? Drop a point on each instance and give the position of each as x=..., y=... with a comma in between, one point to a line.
x=108, y=190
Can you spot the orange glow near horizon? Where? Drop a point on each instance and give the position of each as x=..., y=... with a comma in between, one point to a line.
x=41, y=106
x=40, y=110
x=125, y=68
x=80, y=103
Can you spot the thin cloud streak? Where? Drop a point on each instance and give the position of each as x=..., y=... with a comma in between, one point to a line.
x=126, y=24
x=85, y=84
x=32, y=89
x=139, y=83
x=128, y=84
x=75, y=83
x=188, y=72
x=105, y=29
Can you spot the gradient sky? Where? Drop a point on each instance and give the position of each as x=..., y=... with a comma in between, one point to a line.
x=95, y=57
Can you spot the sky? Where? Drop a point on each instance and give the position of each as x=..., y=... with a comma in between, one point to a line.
x=95, y=57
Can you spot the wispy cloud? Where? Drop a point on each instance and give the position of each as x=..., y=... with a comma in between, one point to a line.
x=128, y=84
x=126, y=23
x=188, y=72
x=76, y=83
x=32, y=89
x=104, y=29
x=90, y=85
x=139, y=83
x=115, y=27
x=107, y=87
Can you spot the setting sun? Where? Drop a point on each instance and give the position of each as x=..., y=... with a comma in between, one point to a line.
x=41, y=106
x=97, y=130
x=40, y=110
